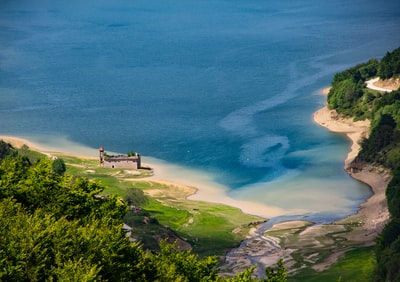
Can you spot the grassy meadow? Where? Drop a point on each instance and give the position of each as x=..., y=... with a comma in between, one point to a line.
x=211, y=229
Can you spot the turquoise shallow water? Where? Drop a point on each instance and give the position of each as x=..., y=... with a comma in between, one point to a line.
x=225, y=88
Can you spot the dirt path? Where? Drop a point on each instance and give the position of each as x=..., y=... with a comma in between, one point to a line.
x=383, y=85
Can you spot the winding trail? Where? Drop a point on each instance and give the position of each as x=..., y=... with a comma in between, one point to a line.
x=371, y=85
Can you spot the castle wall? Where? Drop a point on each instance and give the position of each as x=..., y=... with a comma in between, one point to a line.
x=119, y=161
x=122, y=162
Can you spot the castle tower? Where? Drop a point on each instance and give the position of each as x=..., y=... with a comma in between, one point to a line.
x=101, y=155
x=139, y=161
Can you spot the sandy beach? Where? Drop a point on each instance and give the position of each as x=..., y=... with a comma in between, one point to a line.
x=19, y=142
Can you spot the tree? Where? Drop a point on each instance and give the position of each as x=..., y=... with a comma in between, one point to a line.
x=381, y=136
x=135, y=197
x=393, y=195
x=58, y=166
x=390, y=64
x=40, y=247
x=387, y=252
x=131, y=153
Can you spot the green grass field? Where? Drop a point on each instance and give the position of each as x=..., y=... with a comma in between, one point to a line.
x=208, y=227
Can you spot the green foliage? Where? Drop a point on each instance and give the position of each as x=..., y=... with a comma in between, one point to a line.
x=244, y=276
x=359, y=73
x=37, y=247
x=344, y=95
x=131, y=153
x=380, y=137
x=388, y=252
x=348, y=95
x=390, y=233
x=170, y=264
x=393, y=195
x=58, y=166
x=390, y=64
x=393, y=159
x=277, y=274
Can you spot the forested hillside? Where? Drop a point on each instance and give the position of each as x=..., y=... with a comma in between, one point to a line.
x=350, y=97
x=57, y=227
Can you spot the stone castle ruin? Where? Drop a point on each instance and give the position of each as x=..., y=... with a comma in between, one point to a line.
x=119, y=161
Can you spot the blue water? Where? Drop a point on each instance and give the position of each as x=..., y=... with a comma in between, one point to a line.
x=226, y=88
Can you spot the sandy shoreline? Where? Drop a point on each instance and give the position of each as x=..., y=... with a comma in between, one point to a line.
x=201, y=186
x=83, y=152
x=373, y=213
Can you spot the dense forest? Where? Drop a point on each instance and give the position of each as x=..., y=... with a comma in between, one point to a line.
x=350, y=97
x=58, y=227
